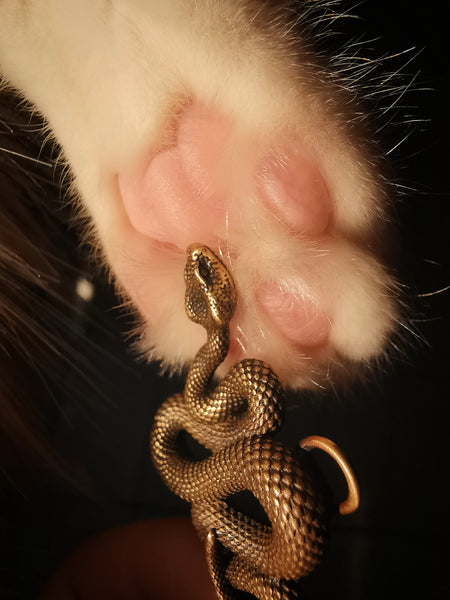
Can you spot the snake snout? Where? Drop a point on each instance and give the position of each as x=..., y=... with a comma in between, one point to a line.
x=210, y=291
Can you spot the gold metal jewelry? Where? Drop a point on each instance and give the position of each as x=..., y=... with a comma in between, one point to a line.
x=235, y=421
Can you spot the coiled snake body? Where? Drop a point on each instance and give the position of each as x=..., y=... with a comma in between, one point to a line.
x=234, y=421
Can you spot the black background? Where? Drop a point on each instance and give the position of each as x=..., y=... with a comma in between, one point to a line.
x=394, y=427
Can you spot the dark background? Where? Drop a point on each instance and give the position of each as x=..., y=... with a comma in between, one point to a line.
x=393, y=427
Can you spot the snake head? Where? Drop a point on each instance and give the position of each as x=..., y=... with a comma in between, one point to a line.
x=210, y=297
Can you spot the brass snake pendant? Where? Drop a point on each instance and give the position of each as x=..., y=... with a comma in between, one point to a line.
x=234, y=421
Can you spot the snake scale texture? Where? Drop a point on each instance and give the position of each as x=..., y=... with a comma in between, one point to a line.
x=234, y=421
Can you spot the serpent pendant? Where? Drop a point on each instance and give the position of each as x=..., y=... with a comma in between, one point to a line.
x=235, y=422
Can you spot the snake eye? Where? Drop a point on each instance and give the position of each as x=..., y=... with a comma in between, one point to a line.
x=205, y=270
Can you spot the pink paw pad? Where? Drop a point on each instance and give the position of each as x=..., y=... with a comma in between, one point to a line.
x=294, y=190
x=296, y=313
x=178, y=195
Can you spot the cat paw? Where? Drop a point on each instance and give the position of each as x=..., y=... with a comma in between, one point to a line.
x=217, y=123
x=311, y=296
